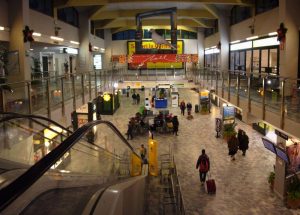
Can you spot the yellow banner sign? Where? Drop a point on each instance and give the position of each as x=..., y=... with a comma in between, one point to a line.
x=153, y=163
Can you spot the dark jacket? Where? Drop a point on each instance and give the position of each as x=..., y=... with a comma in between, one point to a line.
x=244, y=144
x=202, y=156
x=175, y=123
x=233, y=145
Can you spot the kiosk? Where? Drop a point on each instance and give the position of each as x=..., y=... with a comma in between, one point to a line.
x=161, y=100
x=109, y=103
x=84, y=114
x=204, y=101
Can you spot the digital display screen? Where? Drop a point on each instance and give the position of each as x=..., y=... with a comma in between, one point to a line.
x=269, y=145
x=282, y=154
x=228, y=112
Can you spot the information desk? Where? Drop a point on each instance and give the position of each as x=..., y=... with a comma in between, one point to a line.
x=161, y=103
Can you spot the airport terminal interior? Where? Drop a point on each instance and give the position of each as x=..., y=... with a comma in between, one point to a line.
x=150, y=107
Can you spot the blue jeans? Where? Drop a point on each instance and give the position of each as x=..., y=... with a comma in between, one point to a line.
x=202, y=176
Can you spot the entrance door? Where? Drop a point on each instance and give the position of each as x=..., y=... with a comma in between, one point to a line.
x=71, y=64
x=45, y=63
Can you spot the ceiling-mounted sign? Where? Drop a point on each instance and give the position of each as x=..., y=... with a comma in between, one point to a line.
x=98, y=61
x=70, y=51
x=282, y=135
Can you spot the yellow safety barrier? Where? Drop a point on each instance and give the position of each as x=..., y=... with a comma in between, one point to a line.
x=136, y=165
x=153, y=163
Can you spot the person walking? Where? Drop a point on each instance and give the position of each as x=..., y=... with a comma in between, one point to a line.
x=129, y=131
x=138, y=98
x=143, y=152
x=175, y=123
x=189, y=108
x=244, y=143
x=133, y=98
x=232, y=147
x=204, y=165
x=182, y=107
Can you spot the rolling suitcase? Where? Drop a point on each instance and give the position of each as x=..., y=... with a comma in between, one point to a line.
x=210, y=185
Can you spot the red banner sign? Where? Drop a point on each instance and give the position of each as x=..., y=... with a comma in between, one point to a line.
x=162, y=58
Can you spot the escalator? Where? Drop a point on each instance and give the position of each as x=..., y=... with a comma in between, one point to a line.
x=71, y=175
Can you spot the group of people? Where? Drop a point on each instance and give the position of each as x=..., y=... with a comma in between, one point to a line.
x=239, y=142
x=184, y=106
x=136, y=99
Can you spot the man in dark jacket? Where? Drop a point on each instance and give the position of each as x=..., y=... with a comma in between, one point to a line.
x=204, y=165
x=244, y=142
x=175, y=123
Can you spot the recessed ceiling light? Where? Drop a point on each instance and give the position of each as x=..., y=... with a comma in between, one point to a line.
x=96, y=47
x=252, y=38
x=57, y=38
x=37, y=34
x=272, y=33
x=74, y=42
x=237, y=41
x=1, y=28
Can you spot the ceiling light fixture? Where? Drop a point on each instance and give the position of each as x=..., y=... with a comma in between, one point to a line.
x=1, y=28
x=57, y=38
x=74, y=42
x=95, y=47
x=36, y=34
x=272, y=33
x=233, y=42
x=252, y=38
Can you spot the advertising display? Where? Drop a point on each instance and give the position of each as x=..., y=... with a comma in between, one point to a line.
x=204, y=101
x=293, y=152
x=131, y=50
x=228, y=114
x=175, y=99
x=269, y=145
x=98, y=61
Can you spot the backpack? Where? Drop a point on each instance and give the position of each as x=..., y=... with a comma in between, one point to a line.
x=203, y=165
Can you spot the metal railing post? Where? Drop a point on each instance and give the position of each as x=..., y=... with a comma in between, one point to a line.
x=282, y=107
x=48, y=99
x=264, y=98
x=222, y=84
x=238, y=82
x=82, y=88
x=29, y=97
x=73, y=91
x=63, y=111
x=217, y=80
x=229, y=82
x=96, y=87
x=3, y=100
x=90, y=86
x=249, y=93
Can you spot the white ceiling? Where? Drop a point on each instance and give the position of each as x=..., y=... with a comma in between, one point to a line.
x=153, y=5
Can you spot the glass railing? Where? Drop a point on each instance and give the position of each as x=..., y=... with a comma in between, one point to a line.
x=264, y=90
x=95, y=154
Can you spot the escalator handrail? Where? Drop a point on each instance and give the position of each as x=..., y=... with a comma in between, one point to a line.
x=12, y=191
x=14, y=115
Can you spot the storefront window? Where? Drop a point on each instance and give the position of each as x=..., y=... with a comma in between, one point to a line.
x=255, y=61
x=273, y=60
x=264, y=60
x=248, y=61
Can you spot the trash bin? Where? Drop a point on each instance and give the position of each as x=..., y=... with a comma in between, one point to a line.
x=196, y=108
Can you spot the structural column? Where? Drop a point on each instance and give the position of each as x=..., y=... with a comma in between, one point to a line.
x=108, y=49
x=18, y=19
x=85, y=61
x=200, y=44
x=224, y=31
x=289, y=15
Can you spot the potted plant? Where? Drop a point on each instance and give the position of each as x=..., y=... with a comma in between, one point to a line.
x=271, y=180
x=229, y=131
x=293, y=193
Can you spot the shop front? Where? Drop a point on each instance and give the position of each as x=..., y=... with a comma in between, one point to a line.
x=212, y=57
x=48, y=139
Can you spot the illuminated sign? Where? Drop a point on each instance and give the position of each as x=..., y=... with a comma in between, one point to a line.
x=98, y=61
x=239, y=46
x=158, y=65
x=70, y=51
x=211, y=51
x=106, y=97
x=271, y=41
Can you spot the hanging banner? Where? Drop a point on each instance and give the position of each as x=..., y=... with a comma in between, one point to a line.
x=161, y=58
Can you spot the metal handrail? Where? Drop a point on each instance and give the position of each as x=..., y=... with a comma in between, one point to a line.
x=12, y=191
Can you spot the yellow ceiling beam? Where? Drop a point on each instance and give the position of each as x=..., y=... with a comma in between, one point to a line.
x=231, y=2
x=132, y=13
x=96, y=10
x=119, y=23
x=78, y=3
x=180, y=27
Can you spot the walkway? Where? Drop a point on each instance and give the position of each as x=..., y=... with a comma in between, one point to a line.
x=242, y=186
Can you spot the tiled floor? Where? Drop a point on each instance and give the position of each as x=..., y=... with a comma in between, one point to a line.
x=242, y=186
